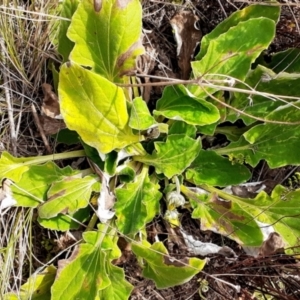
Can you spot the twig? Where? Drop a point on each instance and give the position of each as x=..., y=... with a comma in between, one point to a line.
x=40, y=129
x=209, y=84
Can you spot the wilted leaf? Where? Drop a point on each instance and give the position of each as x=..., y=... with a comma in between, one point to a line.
x=281, y=210
x=137, y=204
x=224, y=217
x=95, y=108
x=6, y=198
x=36, y=181
x=109, y=42
x=173, y=156
x=68, y=195
x=163, y=269
x=50, y=106
x=188, y=37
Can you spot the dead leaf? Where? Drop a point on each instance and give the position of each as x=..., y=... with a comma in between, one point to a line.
x=51, y=126
x=272, y=245
x=6, y=198
x=187, y=36
x=50, y=106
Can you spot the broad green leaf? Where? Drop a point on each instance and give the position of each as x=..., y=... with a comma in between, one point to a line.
x=140, y=118
x=107, y=37
x=180, y=127
x=65, y=222
x=173, y=156
x=137, y=204
x=177, y=103
x=265, y=81
x=119, y=289
x=224, y=217
x=95, y=108
x=14, y=167
x=32, y=189
x=163, y=269
x=37, y=286
x=65, y=46
x=286, y=61
x=210, y=168
x=250, y=12
x=278, y=144
x=85, y=273
x=233, y=52
x=68, y=195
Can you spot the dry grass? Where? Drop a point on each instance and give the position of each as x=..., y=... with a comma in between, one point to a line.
x=25, y=41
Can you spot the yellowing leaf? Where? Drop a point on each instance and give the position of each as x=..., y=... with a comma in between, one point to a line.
x=107, y=37
x=162, y=269
x=68, y=195
x=95, y=108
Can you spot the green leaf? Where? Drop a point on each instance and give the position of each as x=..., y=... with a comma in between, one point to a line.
x=250, y=12
x=14, y=167
x=109, y=42
x=95, y=108
x=162, y=269
x=119, y=289
x=68, y=195
x=37, y=286
x=32, y=189
x=111, y=163
x=140, y=118
x=173, y=156
x=137, y=204
x=180, y=127
x=228, y=218
x=66, y=222
x=177, y=103
x=210, y=168
x=65, y=46
x=265, y=81
x=233, y=52
x=88, y=265
x=286, y=61
x=278, y=144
